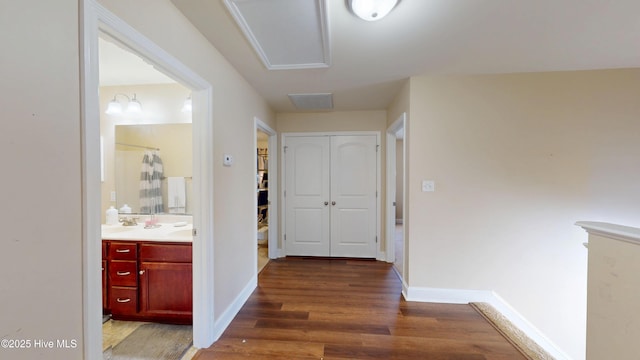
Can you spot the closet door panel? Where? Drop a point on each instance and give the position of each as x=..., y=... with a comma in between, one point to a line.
x=353, y=196
x=307, y=191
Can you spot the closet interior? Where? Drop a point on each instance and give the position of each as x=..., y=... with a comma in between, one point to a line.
x=262, y=193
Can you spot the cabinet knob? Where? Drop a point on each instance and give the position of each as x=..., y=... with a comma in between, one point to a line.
x=333, y=203
x=141, y=272
x=326, y=203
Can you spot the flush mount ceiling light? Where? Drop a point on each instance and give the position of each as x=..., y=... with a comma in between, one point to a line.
x=371, y=10
x=115, y=107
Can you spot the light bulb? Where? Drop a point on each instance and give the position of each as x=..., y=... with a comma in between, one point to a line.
x=114, y=108
x=372, y=10
x=134, y=106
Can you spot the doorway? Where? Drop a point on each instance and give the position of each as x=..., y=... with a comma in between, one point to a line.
x=262, y=197
x=396, y=195
x=160, y=129
x=266, y=193
x=96, y=20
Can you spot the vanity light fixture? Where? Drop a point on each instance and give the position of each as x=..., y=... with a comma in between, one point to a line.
x=371, y=10
x=115, y=108
x=187, y=105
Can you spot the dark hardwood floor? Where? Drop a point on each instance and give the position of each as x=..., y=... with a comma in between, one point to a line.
x=350, y=309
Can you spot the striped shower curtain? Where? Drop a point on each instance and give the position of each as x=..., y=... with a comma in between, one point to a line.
x=151, y=183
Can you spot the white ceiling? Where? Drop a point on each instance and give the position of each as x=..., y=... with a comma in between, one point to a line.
x=121, y=67
x=371, y=60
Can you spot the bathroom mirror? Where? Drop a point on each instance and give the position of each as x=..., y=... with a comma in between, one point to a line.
x=164, y=152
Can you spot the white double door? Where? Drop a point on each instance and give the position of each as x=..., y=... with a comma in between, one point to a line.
x=330, y=195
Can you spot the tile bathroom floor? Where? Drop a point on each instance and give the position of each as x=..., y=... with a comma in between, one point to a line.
x=114, y=331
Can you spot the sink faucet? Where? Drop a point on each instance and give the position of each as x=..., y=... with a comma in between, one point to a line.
x=128, y=221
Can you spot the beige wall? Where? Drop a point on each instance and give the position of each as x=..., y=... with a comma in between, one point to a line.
x=41, y=257
x=400, y=104
x=41, y=249
x=517, y=160
x=337, y=121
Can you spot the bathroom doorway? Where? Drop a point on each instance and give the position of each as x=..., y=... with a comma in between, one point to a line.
x=98, y=21
x=155, y=135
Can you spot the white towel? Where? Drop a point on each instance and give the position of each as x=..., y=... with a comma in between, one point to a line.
x=176, y=198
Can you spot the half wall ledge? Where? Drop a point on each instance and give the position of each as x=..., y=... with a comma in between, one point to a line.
x=613, y=291
x=612, y=231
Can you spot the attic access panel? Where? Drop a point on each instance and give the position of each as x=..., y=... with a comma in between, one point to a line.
x=286, y=34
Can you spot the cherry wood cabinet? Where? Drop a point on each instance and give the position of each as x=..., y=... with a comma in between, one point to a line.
x=166, y=281
x=149, y=281
x=105, y=276
x=123, y=278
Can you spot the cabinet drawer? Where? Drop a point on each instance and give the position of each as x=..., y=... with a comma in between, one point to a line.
x=122, y=250
x=123, y=300
x=123, y=273
x=165, y=252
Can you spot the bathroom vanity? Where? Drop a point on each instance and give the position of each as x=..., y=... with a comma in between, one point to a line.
x=147, y=273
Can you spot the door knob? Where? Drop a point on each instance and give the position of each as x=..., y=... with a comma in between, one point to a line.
x=333, y=203
x=326, y=203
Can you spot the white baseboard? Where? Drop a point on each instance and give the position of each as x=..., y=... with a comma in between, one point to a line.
x=458, y=296
x=232, y=310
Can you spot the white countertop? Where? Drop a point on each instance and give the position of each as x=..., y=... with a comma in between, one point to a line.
x=167, y=232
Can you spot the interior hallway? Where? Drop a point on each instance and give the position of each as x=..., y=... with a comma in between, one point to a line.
x=350, y=309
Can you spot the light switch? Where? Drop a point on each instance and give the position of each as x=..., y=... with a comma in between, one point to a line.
x=113, y=196
x=428, y=185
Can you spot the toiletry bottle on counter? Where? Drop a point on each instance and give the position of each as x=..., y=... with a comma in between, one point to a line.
x=125, y=209
x=112, y=216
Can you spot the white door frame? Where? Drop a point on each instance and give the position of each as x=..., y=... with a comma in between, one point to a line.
x=95, y=19
x=392, y=130
x=272, y=170
x=380, y=254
